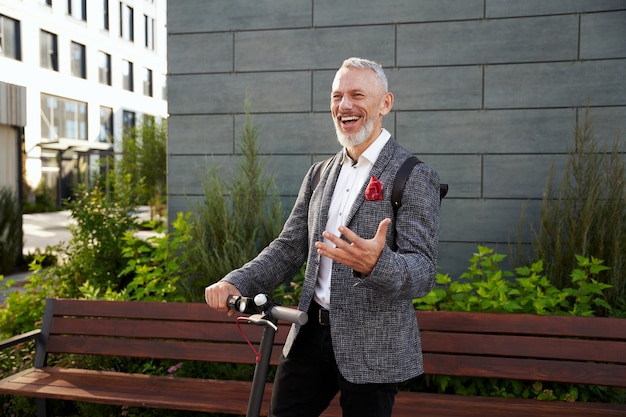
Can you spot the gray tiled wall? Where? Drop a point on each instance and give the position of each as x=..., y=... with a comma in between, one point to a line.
x=487, y=92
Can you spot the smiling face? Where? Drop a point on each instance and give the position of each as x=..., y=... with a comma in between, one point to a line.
x=358, y=103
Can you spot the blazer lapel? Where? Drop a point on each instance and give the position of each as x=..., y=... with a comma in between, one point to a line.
x=327, y=184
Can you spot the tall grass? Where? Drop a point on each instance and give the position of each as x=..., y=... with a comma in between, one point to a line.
x=235, y=220
x=586, y=215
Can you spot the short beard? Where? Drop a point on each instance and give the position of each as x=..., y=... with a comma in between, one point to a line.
x=358, y=138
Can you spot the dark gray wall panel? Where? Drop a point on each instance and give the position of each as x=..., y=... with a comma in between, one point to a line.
x=227, y=93
x=301, y=133
x=189, y=16
x=304, y=49
x=463, y=173
x=201, y=134
x=507, y=8
x=491, y=131
x=489, y=41
x=191, y=170
x=608, y=123
x=519, y=176
x=200, y=53
x=562, y=84
x=482, y=220
x=346, y=13
x=288, y=172
x=603, y=35
x=450, y=88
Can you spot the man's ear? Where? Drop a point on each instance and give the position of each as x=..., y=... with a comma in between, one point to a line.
x=387, y=104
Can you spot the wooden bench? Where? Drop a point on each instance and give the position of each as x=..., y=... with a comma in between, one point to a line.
x=573, y=350
x=537, y=348
x=176, y=331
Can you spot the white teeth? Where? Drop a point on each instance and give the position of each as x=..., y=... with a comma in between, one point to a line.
x=349, y=118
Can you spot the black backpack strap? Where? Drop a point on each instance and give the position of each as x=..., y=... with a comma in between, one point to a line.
x=400, y=181
x=318, y=174
x=402, y=177
x=443, y=191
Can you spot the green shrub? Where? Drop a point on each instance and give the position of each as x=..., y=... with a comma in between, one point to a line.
x=95, y=251
x=23, y=310
x=154, y=265
x=486, y=287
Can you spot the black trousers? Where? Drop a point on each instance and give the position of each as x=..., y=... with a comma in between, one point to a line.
x=308, y=380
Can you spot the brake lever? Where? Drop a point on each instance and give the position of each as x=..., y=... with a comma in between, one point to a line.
x=260, y=320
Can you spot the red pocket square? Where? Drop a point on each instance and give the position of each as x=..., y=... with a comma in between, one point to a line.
x=374, y=191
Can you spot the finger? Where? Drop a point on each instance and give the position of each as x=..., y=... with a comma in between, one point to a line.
x=334, y=239
x=349, y=234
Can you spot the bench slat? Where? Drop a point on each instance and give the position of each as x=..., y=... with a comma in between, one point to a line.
x=566, y=326
x=443, y=405
x=138, y=390
x=525, y=346
x=525, y=369
x=159, y=349
x=139, y=310
x=183, y=330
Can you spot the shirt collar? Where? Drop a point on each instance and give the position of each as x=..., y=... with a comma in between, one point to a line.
x=372, y=151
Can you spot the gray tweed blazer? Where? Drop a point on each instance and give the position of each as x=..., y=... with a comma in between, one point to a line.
x=374, y=331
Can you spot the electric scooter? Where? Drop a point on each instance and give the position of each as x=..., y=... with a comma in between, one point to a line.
x=262, y=312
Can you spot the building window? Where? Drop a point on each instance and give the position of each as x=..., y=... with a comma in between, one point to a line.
x=105, y=15
x=147, y=82
x=106, y=124
x=127, y=75
x=77, y=9
x=48, y=50
x=127, y=25
x=63, y=118
x=148, y=29
x=128, y=121
x=104, y=68
x=10, y=38
x=148, y=120
x=79, y=64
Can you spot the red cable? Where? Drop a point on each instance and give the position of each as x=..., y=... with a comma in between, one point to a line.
x=257, y=354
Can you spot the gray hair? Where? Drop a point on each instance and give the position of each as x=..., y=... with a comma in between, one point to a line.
x=362, y=63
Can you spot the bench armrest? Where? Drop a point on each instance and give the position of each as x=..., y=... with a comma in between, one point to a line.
x=24, y=337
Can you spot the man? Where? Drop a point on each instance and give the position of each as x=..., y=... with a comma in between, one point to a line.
x=365, y=264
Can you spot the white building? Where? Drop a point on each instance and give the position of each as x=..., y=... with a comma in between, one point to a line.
x=84, y=71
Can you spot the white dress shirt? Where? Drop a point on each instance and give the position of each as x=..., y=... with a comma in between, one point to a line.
x=351, y=179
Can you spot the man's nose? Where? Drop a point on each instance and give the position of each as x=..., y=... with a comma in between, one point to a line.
x=345, y=103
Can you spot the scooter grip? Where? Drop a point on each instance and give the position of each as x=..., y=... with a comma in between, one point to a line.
x=290, y=315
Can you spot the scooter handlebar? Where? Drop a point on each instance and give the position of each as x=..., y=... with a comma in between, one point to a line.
x=290, y=315
x=261, y=304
